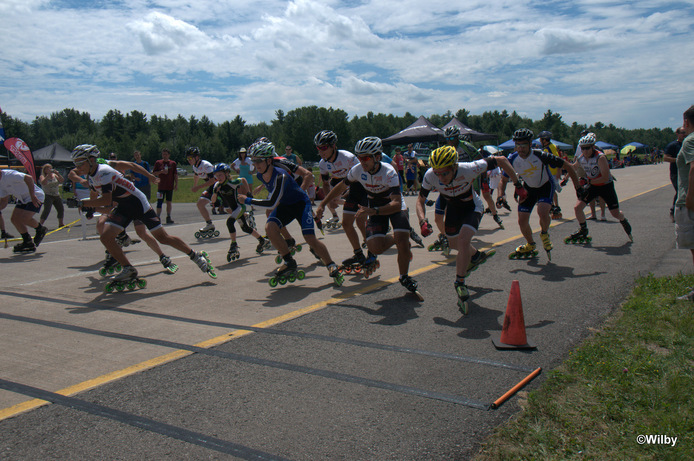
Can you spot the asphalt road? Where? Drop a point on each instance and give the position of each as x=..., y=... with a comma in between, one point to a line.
x=196, y=368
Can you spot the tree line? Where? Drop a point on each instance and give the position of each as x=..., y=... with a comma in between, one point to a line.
x=125, y=133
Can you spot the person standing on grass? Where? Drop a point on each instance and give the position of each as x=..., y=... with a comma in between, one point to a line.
x=684, y=205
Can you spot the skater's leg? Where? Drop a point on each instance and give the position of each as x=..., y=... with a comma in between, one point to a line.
x=202, y=208
x=319, y=248
x=578, y=211
x=379, y=244
x=543, y=213
x=402, y=243
x=165, y=238
x=274, y=233
x=23, y=219
x=108, y=239
x=524, y=224
x=146, y=237
x=352, y=235
x=465, y=249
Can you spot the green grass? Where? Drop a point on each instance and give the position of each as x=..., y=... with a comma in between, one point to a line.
x=632, y=377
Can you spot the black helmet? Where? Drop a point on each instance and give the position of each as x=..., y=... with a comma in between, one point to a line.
x=523, y=134
x=325, y=138
x=545, y=135
x=192, y=152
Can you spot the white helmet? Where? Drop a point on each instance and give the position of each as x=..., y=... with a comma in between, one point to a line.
x=587, y=140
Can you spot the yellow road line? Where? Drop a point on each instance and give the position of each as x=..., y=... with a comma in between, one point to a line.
x=216, y=341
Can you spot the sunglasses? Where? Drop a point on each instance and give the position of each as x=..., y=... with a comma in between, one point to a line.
x=586, y=147
x=442, y=173
x=323, y=147
x=257, y=160
x=80, y=162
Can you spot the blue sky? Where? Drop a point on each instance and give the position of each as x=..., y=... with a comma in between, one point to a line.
x=626, y=63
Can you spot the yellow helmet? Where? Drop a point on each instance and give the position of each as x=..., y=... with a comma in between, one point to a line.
x=443, y=157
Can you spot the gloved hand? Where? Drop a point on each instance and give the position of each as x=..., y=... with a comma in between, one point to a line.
x=582, y=193
x=426, y=228
x=521, y=193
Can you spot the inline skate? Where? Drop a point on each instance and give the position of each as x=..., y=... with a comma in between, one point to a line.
x=40, y=234
x=167, y=263
x=411, y=285
x=294, y=248
x=546, y=244
x=332, y=223
x=202, y=259
x=353, y=264
x=416, y=238
x=478, y=259
x=556, y=213
x=233, y=254
x=627, y=228
x=498, y=221
x=207, y=232
x=110, y=267
x=25, y=247
x=439, y=244
x=371, y=263
x=263, y=244
x=128, y=278
x=287, y=272
x=580, y=236
x=525, y=251
x=463, y=296
x=335, y=273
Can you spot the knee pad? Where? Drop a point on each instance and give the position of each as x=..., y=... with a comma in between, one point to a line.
x=245, y=226
x=230, y=225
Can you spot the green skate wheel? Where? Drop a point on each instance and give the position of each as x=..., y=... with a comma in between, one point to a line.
x=463, y=307
x=278, y=259
x=283, y=280
x=118, y=268
x=131, y=285
x=339, y=280
x=301, y=275
x=109, y=288
x=567, y=240
x=103, y=271
x=212, y=273
x=273, y=282
x=298, y=247
x=142, y=283
x=197, y=235
x=120, y=286
x=291, y=278
x=512, y=256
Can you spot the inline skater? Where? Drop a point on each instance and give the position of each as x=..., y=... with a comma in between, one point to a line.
x=288, y=202
x=549, y=147
x=453, y=180
x=227, y=189
x=111, y=186
x=385, y=206
x=29, y=201
x=532, y=165
x=334, y=166
x=599, y=185
x=203, y=171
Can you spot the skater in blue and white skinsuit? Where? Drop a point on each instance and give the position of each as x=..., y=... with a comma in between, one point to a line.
x=112, y=187
x=288, y=202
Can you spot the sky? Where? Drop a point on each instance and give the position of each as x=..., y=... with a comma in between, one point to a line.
x=621, y=63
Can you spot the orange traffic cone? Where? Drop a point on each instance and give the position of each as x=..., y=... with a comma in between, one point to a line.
x=513, y=333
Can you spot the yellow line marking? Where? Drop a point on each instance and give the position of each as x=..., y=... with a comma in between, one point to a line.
x=219, y=340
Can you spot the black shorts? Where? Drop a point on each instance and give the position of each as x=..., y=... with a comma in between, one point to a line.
x=130, y=209
x=355, y=197
x=607, y=192
x=542, y=194
x=461, y=213
x=166, y=195
x=377, y=226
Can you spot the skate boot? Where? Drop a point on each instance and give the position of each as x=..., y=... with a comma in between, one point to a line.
x=207, y=232
x=287, y=272
x=332, y=223
x=169, y=220
x=126, y=279
x=40, y=234
x=123, y=239
x=445, y=246
x=5, y=235
x=167, y=263
x=437, y=245
x=263, y=244
x=525, y=251
x=411, y=284
x=478, y=259
x=371, y=263
x=498, y=221
x=416, y=238
x=111, y=266
x=294, y=248
x=233, y=254
x=556, y=213
x=354, y=263
x=627, y=228
x=580, y=236
x=463, y=296
x=24, y=247
x=335, y=273
x=546, y=244
x=203, y=261
x=502, y=203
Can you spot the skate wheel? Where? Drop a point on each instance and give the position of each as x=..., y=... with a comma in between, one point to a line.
x=339, y=280
x=301, y=275
x=357, y=269
x=291, y=278
x=347, y=270
x=512, y=256
x=197, y=235
x=120, y=287
x=212, y=273
x=131, y=285
x=273, y=282
x=463, y=307
x=282, y=280
x=109, y=288
x=278, y=259
x=103, y=271
x=142, y=283
x=118, y=268
x=216, y=233
x=567, y=240
x=228, y=258
x=298, y=247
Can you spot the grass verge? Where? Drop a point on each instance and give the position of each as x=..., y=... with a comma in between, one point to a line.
x=634, y=377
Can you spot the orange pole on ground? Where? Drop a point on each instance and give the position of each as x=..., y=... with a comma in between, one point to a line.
x=497, y=403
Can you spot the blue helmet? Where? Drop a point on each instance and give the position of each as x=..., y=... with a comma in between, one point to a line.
x=222, y=167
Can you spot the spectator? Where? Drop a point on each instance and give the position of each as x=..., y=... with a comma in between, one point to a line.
x=141, y=181
x=244, y=167
x=165, y=169
x=684, y=206
x=50, y=181
x=291, y=156
x=671, y=151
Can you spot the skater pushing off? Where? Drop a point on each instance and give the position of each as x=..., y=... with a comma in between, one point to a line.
x=453, y=180
x=599, y=183
x=29, y=201
x=130, y=203
x=533, y=167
